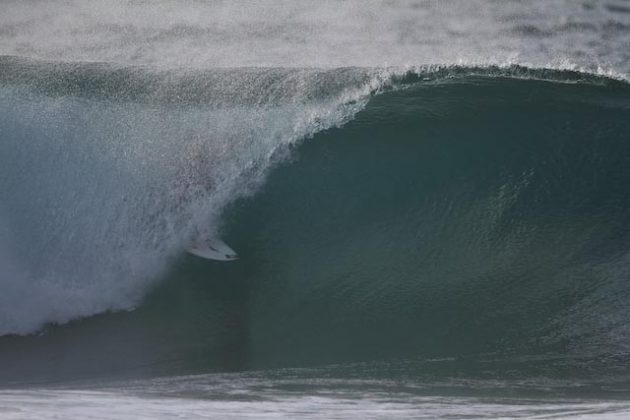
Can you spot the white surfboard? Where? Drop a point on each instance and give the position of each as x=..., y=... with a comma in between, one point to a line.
x=213, y=249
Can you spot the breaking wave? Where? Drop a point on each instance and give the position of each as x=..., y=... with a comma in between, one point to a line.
x=436, y=211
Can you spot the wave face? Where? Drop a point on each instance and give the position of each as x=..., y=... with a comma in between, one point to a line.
x=442, y=212
x=461, y=216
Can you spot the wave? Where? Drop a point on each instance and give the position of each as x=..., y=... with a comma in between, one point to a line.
x=436, y=211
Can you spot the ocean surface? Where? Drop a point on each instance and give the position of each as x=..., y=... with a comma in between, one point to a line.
x=429, y=199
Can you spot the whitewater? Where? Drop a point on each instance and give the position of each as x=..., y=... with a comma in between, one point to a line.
x=429, y=199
